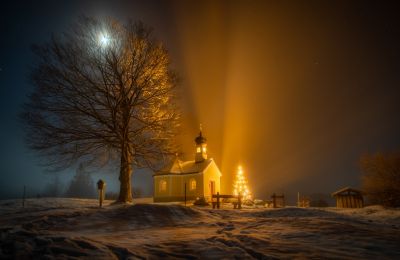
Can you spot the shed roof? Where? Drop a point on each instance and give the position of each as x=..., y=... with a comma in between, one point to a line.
x=346, y=190
x=189, y=167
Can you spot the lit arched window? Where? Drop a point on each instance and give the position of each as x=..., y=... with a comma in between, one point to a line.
x=162, y=185
x=192, y=184
x=198, y=149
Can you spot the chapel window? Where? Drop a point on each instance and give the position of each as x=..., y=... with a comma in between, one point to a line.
x=163, y=185
x=192, y=184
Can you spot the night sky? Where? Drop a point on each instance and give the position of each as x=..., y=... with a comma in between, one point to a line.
x=295, y=91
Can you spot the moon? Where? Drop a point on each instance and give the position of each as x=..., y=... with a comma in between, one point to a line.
x=104, y=40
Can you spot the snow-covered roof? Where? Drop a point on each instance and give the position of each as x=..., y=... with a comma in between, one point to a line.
x=187, y=167
x=346, y=190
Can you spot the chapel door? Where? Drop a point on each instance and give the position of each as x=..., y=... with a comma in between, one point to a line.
x=212, y=187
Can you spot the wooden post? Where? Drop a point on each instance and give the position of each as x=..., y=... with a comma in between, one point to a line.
x=101, y=185
x=239, y=201
x=101, y=198
x=217, y=200
x=185, y=193
x=298, y=199
x=23, y=197
x=274, y=200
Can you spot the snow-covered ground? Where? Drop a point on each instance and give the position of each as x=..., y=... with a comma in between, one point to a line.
x=77, y=228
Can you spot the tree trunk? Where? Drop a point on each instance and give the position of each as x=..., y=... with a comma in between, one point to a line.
x=125, y=174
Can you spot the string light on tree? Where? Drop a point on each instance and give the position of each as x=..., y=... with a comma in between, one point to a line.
x=240, y=185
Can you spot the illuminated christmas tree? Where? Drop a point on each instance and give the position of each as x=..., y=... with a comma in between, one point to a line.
x=240, y=185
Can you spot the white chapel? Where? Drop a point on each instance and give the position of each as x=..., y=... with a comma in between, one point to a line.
x=191, y=179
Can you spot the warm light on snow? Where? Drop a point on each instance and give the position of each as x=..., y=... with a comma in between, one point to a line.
x=240, y=185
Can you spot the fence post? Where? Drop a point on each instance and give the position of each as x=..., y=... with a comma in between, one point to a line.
x=239, y=201
x=274, y=200
x=298, y=199
x=185, y=193
x=23, y=197
x=217, y=200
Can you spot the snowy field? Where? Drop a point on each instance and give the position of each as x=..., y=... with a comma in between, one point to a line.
x=77, y=228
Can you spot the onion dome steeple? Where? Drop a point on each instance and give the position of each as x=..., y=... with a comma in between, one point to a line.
x=200, y=139
x=201, y=147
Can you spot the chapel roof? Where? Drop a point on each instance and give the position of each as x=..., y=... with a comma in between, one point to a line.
x=188, y=167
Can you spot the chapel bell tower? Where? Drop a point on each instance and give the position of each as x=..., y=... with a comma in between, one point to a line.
x=201, y=147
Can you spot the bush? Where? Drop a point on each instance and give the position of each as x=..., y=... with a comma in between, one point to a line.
x=201, y=202
x=248, y=202
x=258, y=202
x=381, y=178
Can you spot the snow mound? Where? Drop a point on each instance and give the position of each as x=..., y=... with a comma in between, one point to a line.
x=292, y=212
x=32, y=245
x=375, y=213
x=152, y=214
x=73, y=229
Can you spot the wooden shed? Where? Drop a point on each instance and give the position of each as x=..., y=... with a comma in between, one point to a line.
x=348, y=198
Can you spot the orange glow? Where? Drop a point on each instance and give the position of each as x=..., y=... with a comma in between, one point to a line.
x=263, y=87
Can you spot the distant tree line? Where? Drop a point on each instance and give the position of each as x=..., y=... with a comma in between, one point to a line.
x=381, y=178
x=81, y=186
x=53, y=189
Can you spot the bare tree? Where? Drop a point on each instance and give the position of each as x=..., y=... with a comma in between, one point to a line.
x=381, y=178
x=103, y=91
